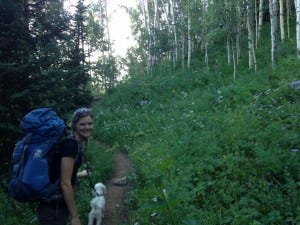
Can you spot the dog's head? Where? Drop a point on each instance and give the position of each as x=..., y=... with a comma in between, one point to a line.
x=100, y=189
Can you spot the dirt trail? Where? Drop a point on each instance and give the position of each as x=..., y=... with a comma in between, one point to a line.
x=114, y=212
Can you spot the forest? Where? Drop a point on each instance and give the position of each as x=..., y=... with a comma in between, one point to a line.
x=208, y=111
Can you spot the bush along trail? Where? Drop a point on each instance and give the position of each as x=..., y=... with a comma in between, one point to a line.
x=207, y=150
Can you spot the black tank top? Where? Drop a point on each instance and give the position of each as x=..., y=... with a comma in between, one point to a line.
x=67, y=148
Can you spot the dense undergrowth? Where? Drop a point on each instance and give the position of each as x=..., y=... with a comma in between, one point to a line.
x=207, y=149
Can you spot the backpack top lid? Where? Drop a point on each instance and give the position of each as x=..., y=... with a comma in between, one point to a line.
x=42, y=122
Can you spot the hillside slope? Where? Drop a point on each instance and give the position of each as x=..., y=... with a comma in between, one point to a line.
x=209, y=150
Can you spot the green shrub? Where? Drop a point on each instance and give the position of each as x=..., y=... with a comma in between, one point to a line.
x=206, y=150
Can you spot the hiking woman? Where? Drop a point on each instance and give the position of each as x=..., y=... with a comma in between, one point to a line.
x=65, y=167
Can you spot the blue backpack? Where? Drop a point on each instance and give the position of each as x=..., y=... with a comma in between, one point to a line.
x=43, y=130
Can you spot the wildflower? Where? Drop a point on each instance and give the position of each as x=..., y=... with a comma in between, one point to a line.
x=295, y=85
x=154, y=199
x=219, y=99
x=153, y=214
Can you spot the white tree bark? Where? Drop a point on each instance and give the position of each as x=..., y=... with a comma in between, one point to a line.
x=238, y=35
x=153, y=34
x=288, y=11
x=297, y=4
x=205, y=4
x=182, y=49
x=251, y=50
x=145, y=11
x=260, y=18
x=234, y=61
x=228, y=52
x=206, y=53
x=175, y=41
x=256, y=22
x=281, y=20
x=272, y=9
x=107, y=28
x=189, y=40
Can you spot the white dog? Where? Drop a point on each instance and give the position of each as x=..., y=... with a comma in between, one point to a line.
x=98, y=204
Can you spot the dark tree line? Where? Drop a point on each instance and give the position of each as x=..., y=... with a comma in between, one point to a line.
x=42, y=62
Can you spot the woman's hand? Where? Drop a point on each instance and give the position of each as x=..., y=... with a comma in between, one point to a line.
x=83, y=173
x=75, y=220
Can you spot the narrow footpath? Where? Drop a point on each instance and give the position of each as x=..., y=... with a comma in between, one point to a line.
x=114, y=210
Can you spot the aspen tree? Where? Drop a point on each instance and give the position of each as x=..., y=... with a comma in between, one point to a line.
x=111, y=76
x=145, y=12
x=234, y=62
x=272, y=9
x=288, y=11
x=189, y=38
x=154, y=55
x=206, y=53
x=182, y=48
x=297, y=4
x=185, y=32
x=238, y=33
x=256, y=22
x=106, y=27
x=228, y=43
x=205, y=12
x=281, y=20
x=251, y=50
x=260, y=18
x=173, y=26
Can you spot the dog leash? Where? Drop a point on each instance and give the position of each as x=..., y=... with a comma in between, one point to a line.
x=87, y=167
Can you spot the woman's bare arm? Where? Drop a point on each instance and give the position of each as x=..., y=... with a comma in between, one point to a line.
x=67, y=164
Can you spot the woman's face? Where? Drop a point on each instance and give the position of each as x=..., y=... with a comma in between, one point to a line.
x=83, y=128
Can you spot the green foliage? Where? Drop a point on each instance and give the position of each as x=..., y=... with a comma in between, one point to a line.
x=40, y=65
x=100, y=160
x=208, y=150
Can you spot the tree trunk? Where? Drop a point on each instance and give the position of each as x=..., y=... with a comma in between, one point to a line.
x=288, y=17
x=155, y=53
x=281, y=20
x=260, y=18
x=238, y=35
x=175, y=41
x=228, y=52
x=189, y=39
x=234, y=61
x=205, y=31
x=251, y=50
x=206, y=53
x=182, y=49
x=297, y=4
x=107, y=28
x=144, y=6
x=256, y=22
x=272, y=9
